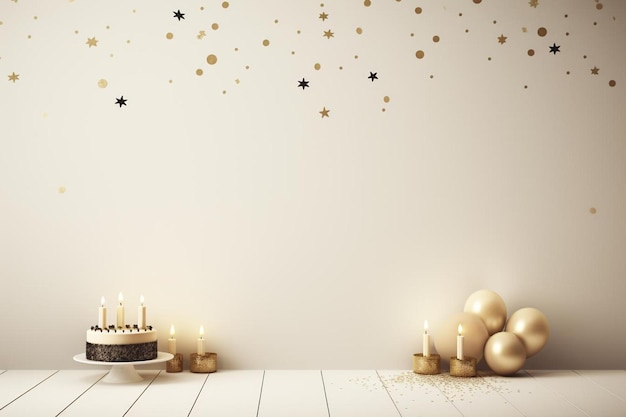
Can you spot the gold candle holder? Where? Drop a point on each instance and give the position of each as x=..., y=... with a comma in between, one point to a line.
x=175, y=364
x=465, y=367
x=426, y=365
x=206, y=363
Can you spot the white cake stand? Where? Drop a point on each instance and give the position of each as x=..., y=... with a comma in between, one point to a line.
x=123, y=372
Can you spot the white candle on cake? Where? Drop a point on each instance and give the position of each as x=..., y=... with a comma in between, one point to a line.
x=459, y=344
x=102, y=315
x=426, y=340
x=141, y=314
x=120, y=311
x=200, y=347
x=171, y=342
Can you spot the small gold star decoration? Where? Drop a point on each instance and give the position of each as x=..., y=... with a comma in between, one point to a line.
x=323, y=16
x=201, y=34
x=92, y=42
x=534, y=3
x=501, y=39
x=595, y=70
x=325, y=112
x=14, y=77
x=329, y=34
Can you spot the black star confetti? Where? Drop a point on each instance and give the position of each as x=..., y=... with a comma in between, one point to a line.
x=304, y=83
x=121, y=101
x=373, y=76
x=178, y=15
x=555, y=48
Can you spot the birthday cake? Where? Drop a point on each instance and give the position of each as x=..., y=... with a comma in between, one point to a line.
x=127, y=344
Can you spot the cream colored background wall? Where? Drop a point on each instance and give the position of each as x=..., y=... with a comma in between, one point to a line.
x=223, y=195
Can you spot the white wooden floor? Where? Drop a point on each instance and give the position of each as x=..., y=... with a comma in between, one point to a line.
x=274, y=393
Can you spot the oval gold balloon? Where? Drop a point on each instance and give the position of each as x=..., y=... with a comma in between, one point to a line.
x=505, y=353
x=474, y=336
x=490, y=307
x=531, y=326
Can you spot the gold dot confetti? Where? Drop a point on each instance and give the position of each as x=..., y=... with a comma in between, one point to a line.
x=542, y=31
x=436, y=38
x=386, y=99
x=367, y=3
x=477, y=1
x=593, y=210
x=612, y=83
x=169, y=35
x=215, y=26
x=62, y=190
x=359, y=31
x=211, y=59
x=531, y=52
x=418, y=10
x=225, y=5
x=317, y=66
x=266, y=42
x=599, y=6
x=102, y=83
x=199, y=72
x=419, y=54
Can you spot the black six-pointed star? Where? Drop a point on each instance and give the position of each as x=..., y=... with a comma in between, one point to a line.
x=121, y=101
x=555, y=48
x=304, y=83
x=178, y=15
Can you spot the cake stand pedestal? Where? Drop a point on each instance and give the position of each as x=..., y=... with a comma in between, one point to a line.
x=123, y=372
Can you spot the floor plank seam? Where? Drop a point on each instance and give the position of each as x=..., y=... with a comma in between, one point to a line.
x=80, y=395
x=198, y=396
x=142, y=392
x=30, y=389
x=596, y=383
x=558, y=394
x=496, y=389
x=325, y=395
x=388, y=393
x=258, y=407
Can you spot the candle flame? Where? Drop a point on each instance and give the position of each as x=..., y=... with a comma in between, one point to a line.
x=201, y=332
x=460, y=329
x=172, y=332
x=102, y=302
x=425, y=326
x=120, y=298
x=141, y=300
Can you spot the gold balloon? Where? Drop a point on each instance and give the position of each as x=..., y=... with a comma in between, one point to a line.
x=474, y=336
x=504, y=353
x=531, y=326
x=490, y=307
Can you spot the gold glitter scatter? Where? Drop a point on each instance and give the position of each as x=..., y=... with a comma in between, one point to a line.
x=612, y=83
x=62, y=190
x=236, y=49
x=92, y=42
x=266, y=42
x=169, y=35
x=329, y=34
x=542, y=31
x=317, y=66
x=14, y=77
x=293, y=52
x=237, y=81
x=35, y=17
x=367, y=3
x=127, y=41
x=215, y=26
x=593, y=210
x=595, y=70
x=276, y=21
x=356, y=57
x=201, y=34
x=225, y=5
x=359, y=31
x=599, y=6
x=534, y=3
x=419, y=54
x=170, y=81
x=134, y=10
x=199, y=72
x=524, y=29
x=323, y=16
x=436, y=38
x=324, y=112
x=224, y=92
x=386, y=99
x=211, y=59
x=102, y=83
x=501, y=39
x=431, y=76
x=202, y=8
x=531, y=52
x=45, y=115
x=477, y=1
x=75, y=32
x=418, y=10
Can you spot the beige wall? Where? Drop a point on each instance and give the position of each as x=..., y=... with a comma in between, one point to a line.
x=302, y=241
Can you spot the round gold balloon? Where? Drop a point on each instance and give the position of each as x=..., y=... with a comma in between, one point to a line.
x=490, y=307
x=474, y=336
x=531, y=326
x=504, y=353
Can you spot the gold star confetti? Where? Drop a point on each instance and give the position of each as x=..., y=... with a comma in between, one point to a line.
x=534, y=3
x=323, y=16
x=329, y=34
x=524, y=29
x=325, y=112
x=502, y=39
x=14, y=77
x=595, y=70
x=201, y=34
x=92, y=42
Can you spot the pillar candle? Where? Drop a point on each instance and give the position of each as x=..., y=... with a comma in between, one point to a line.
x=171, y=342
x=459, y=344
x=102, y=316
x=200, y=348
x=426, y=341
x=120, y=311
x=141, y=314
